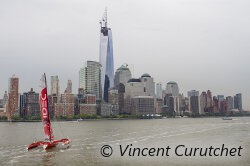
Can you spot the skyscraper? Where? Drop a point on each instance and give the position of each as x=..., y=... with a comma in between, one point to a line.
x=149, y=84
x=194, y=101
x=52, y=100
x=69, y=87
x=122, y=75
x=55, y=86
x=220, y=100
x=22, y=104
x=238, y=101
x=13, y=96
x=209, y=99
x=106, y=57
x=193, y=93
x=90, y=78
x=29, y=104
x=172, y=88
x=159, y=90
x=230, y=102
x=203, y=102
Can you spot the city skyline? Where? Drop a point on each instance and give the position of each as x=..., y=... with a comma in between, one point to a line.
x=221, y=67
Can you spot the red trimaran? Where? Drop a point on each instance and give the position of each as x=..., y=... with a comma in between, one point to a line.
x=48, y=133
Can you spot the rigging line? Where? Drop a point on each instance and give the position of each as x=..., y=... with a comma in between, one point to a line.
x=61, y=130
x=36, y=131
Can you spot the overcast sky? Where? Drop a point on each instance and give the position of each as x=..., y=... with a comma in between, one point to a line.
x=200, y=44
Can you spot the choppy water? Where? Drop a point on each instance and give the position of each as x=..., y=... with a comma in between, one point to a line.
x=89, y=136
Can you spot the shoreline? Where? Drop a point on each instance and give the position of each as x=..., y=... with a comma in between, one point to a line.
x=98, y=119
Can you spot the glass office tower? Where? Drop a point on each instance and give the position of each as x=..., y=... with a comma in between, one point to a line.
x=106, y=57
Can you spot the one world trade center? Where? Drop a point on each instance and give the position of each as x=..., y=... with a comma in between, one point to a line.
x=106, y=57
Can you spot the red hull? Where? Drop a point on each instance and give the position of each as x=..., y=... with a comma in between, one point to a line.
x=48, y=145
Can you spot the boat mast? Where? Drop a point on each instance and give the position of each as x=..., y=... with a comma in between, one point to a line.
x=48, y=118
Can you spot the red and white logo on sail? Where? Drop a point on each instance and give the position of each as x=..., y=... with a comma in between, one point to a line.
x=45, y=114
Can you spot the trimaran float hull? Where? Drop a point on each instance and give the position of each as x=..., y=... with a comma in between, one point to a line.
x=47, y=145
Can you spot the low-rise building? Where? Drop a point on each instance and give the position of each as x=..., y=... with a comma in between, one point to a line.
x=89, y=106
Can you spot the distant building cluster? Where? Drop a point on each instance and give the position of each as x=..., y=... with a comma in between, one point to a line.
x=130, y=96
x=101, y=91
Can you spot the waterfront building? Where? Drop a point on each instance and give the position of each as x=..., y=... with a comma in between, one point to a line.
x=79, y=99
x=238, y=101
x=230, y=102
x=13, y=97
x=90, y=78
x=203, y=102
x=181, y=105
x=143, y=86
x=106, y=109
x=209, y=107
x=215, y=105
x=235, y=103
x=224, y=106
x=81, y=95
x=113, y=96
x=106, y=57
x=135, y=87
x=220, y=100
x=89, y=105
x=164, y=93
x=52, y=100
x=33, y=103
x=113, y=99
x=172, y=101
x=122, y=75
x=186, y=103
x=194, y=105
x=158, y=106
x=66, y=105
x=194, y=101
x=209, y=99
x=121, y=98
x=159, y=91
x=172, y=88
x=29, y=104
x=69, y=87
x=1, y=103
x=192, y=93
x=166, y=99
x=22, y=105
x=142, y=105
x=149, y=85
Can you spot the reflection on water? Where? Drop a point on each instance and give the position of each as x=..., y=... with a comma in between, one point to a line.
x=47, y=158
x=89, y=136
